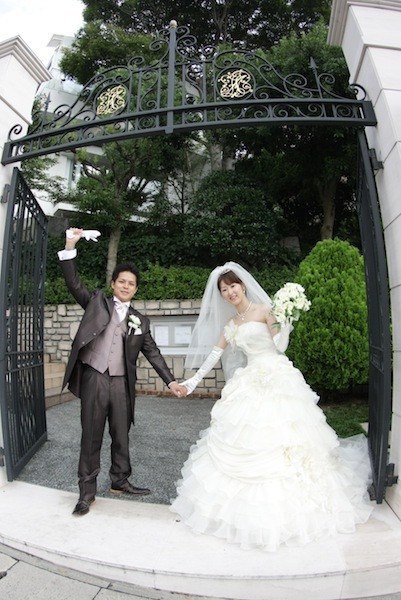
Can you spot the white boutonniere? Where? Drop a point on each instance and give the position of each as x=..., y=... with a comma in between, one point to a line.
x=134, y=324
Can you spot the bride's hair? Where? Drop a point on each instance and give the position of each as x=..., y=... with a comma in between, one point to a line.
x=229, y=277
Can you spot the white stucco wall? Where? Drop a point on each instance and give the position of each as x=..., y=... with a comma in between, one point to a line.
x=20, y=74
x=370, y=36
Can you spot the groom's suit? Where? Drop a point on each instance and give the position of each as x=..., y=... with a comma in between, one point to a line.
x=102, y=340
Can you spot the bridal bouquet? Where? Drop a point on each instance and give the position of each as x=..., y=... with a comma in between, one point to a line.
x=289, y=301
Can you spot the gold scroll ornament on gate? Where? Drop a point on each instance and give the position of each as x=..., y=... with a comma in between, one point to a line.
x=235, y=84
x=111, y=100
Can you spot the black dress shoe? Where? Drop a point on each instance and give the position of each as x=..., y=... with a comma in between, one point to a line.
x=128, y=488
x=82, y=507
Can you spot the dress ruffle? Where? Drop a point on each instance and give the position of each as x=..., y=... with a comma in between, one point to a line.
x=269, y=470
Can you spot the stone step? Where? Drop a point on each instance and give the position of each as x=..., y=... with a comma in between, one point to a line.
x=54, y=375
x=134, y=543
x=54, y=368
x=55, y=396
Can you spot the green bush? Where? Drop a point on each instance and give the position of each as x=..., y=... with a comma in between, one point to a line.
x=274, y=277
x=165, y=283
x=330, y=342
x=56, y=291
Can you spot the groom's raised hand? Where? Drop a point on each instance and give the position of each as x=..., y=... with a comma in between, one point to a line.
x=72, y=235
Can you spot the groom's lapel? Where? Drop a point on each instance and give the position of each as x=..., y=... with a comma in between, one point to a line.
x=110, y=305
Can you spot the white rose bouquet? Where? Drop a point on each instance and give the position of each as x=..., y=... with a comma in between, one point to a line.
x=134, y=324
x=288, y=303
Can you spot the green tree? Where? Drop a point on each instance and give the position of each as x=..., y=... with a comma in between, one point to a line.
x=231, y=219
x=114, y=30
x=306, y=166
x=36, y=170
x=330, y=342
x=309, y=171
x=36, y=174
x=115, y=184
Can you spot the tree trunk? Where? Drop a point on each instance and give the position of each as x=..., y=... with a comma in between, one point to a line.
x=215, y=157
x=228, y=162
x=327, y=196
x=112, y=250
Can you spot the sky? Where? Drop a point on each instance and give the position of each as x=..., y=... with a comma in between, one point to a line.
x=37, y=20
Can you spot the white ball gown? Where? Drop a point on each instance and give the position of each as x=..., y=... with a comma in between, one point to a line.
x=269, y=470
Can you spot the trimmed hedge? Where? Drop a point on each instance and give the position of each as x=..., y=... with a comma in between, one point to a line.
x=330, y=342
x=165, y=283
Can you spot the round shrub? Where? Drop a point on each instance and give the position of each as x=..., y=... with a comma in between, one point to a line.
x=330, y=342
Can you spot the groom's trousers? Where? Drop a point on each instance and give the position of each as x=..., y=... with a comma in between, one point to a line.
x=103, y=398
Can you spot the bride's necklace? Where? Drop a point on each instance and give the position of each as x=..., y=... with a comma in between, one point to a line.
x=242, y=315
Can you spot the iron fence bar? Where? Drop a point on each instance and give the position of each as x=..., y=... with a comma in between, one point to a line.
x=171, y=79
x=3, y=327
x=379, y=322
x=22, y=313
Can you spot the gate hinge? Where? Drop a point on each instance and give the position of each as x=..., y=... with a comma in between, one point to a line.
x=1, y=457
x=376, y=164
x=6, y=193
x=391, y=479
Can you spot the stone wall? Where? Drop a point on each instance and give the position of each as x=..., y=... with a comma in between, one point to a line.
x=62, y=321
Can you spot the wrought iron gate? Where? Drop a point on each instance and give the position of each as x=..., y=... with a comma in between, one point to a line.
x=22, y=396
x=183, y=88
x=379, y=323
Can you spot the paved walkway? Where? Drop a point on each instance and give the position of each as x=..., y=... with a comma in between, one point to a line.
x=125, y=549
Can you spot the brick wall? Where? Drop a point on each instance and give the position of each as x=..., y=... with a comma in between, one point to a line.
x=62, y=321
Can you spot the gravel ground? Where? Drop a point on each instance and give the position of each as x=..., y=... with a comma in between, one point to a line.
x=165, y=428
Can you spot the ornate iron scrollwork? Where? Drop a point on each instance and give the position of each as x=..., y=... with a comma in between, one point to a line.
x=186, y=87
x=111, y=101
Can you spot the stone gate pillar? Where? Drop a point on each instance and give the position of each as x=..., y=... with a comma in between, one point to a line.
x=369, y=33
x=20, y=74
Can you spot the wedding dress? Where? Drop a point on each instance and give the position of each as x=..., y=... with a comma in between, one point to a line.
x=269, y=470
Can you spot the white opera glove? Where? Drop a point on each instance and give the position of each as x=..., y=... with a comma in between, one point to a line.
x=204, y=369
x=282, y=339
x=88, y=234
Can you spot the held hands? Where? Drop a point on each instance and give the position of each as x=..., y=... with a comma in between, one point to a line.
x=183, y=390
x=178, y=390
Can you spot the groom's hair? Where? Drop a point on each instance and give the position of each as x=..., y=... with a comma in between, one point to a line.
x=126, y=266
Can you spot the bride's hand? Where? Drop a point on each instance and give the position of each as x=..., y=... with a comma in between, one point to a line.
x=182, y=390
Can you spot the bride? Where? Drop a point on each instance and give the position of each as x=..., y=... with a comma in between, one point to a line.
x=269, y=470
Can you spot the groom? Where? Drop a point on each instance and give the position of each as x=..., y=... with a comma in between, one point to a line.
x=101, y=371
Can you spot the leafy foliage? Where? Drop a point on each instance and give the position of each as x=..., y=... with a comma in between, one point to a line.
x=232, y=219
x=116, y=31
x=302, y=179
x=158, y=282
x=330, y=342
x=309, y=171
